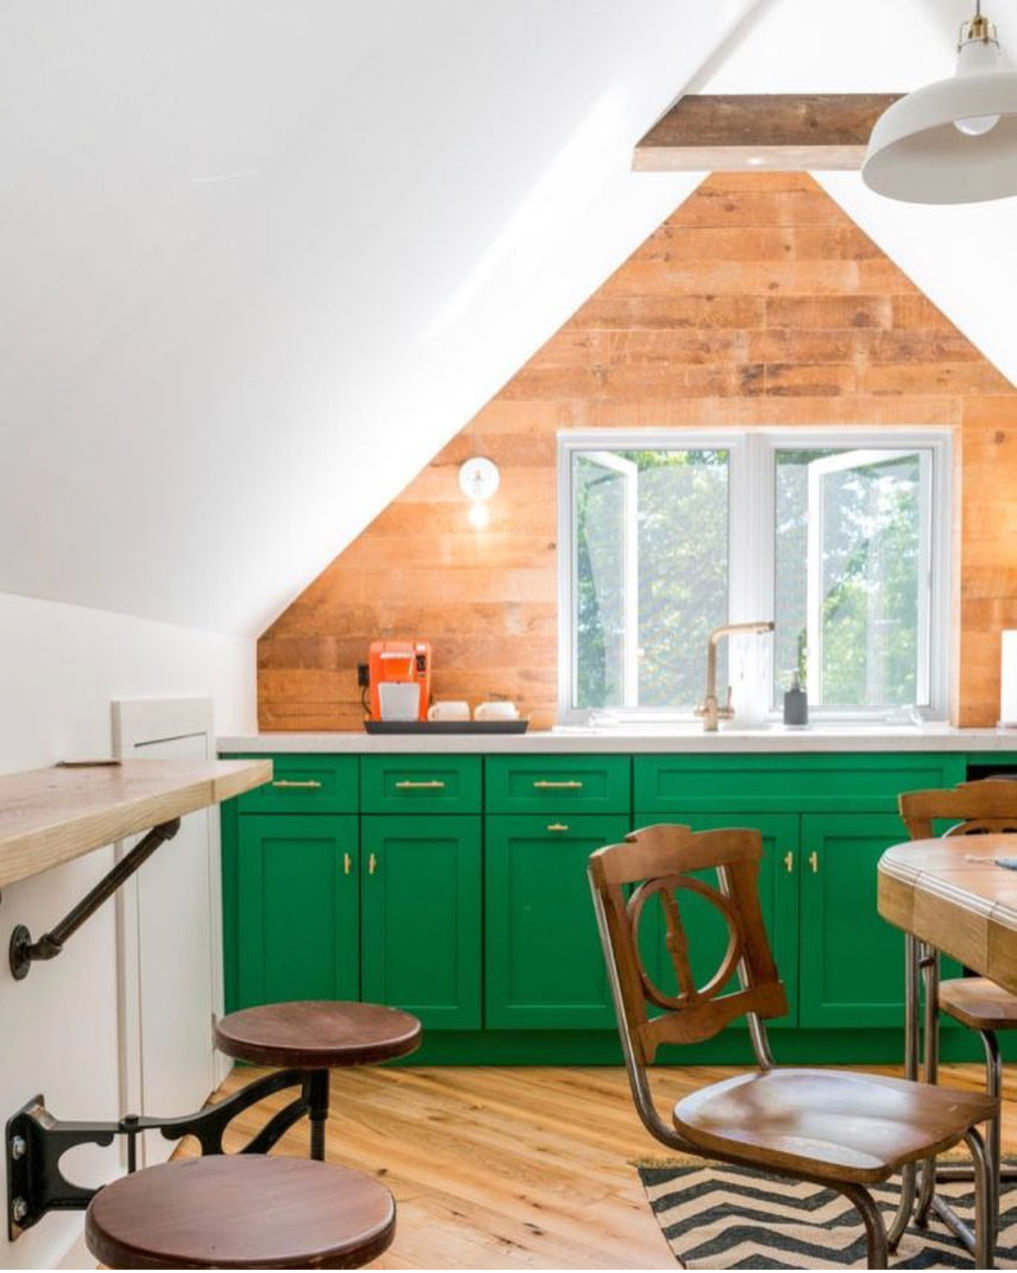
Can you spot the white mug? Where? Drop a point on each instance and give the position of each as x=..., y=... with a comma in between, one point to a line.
x=451, y=709
x=498, y=710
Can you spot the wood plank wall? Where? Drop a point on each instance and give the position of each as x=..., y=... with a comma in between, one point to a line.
x=758, y=302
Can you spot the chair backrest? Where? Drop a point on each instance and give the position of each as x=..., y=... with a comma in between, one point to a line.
x=988, y=806
x=659, y=862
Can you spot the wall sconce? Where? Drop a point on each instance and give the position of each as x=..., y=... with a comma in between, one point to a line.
x=478, y=480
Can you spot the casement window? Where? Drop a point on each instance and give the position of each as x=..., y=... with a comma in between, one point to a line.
x=841, y=537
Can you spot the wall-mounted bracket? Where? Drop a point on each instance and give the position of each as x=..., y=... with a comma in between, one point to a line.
x=35, y=1142
x=23, y=951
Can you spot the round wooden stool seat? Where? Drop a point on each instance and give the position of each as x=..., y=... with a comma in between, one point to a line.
x=240, y=1211
x=317, y=1034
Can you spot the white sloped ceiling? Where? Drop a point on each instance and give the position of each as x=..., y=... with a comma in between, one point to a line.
x=260, y=259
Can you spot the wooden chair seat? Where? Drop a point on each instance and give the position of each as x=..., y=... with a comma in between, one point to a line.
x=828, y=1124
x=978, y=1003
x=240, y=1211
x=317, y=1034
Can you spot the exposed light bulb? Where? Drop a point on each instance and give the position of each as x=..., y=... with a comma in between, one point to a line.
x=479, y=514
x=977, y=52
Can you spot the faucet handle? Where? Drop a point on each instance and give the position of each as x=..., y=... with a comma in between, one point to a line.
x=727, y=711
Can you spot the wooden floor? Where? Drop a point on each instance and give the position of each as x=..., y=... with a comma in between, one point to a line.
x=512, y=1168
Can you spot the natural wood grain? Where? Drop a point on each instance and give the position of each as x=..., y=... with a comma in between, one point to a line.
x=49, y=816
x=757, y=303
x=832, y=1124
x=516, y=1168
x=972, y=809
x=241, y=1212
x=659, y=862
x=313, y=1034
x=775, y=132
x=967, y=909
x=978, y=1003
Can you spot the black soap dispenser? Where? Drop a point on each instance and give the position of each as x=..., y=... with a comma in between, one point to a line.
x=796, y=703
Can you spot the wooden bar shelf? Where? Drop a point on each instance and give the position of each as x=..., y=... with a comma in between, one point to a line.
x=51, y=816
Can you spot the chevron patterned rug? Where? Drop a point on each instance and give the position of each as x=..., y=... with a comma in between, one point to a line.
x=720, y=1217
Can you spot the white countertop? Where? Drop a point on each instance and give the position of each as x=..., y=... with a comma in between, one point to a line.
x=820, y=738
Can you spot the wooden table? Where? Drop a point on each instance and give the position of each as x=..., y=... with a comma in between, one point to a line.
x=948, y=895
x=966, y=908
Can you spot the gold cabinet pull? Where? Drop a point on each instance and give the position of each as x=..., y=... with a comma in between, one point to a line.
x=789, y=861
x=557, y=826
x=568, y=784
x=814, y=862
x=312, y=784
x=372, y=864
x=434, y=784
x=347, y=864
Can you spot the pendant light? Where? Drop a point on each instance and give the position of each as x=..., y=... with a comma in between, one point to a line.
x=954, y=141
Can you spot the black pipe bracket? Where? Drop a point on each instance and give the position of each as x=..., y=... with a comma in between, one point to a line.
x=35, y=1142
x=23, y=952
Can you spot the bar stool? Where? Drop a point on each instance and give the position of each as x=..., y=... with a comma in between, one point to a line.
x=317, y=1035
x=240, y=1211
x=988, y=806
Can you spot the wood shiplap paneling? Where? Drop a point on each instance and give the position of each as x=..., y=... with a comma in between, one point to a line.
x=758, y=302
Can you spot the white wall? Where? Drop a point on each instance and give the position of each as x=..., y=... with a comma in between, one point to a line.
x=60, y=666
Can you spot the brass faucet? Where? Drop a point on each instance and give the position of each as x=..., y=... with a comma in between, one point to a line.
x=710, y=709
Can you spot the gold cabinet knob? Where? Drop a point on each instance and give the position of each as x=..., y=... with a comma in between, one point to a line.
x=372, y=864
x=789, y=861
x=814, y=862
x=347, y=864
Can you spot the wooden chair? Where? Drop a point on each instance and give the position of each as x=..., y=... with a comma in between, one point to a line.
x=972, y=808
x=835, y=1128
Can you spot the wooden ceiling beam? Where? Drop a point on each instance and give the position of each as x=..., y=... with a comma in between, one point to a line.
x=767, y=132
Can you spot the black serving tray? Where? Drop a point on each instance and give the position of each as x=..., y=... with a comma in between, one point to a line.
x=446, y=726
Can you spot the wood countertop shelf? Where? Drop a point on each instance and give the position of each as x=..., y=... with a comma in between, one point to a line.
x=50, y=816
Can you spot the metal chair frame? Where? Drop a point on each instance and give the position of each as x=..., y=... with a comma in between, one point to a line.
x=879, y=1239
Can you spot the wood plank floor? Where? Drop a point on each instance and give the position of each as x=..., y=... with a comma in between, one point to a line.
x=512, y=1168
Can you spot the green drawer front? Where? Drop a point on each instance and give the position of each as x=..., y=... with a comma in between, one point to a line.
x=799, y=783
x=306, y=784
x=420, y=784
x=543, y=784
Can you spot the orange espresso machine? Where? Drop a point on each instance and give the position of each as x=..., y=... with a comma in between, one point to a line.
x=400, y=680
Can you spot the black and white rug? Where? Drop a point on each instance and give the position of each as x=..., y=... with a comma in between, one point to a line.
x=721, y=1217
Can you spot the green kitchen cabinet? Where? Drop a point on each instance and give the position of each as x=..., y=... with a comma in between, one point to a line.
x=557, y=784
x=705, y=927
x=803, y=783
x=543, y=961
x=297, y=907
x=420, y=889
x=852, y=960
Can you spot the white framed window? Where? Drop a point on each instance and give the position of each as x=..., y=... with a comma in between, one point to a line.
x=840, y=536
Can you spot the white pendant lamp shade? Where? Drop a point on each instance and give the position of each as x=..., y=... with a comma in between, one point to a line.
x=954, y=141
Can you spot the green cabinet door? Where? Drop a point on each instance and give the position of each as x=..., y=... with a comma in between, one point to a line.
x=420, y=916
x=705, y=926
x=543, y=961
x=852, y=961
x=297, y=908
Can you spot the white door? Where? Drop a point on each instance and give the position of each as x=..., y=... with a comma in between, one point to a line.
x=169, y=930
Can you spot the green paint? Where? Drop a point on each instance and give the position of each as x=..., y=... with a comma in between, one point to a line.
x=484, y=928
x=420, y=917
x=330, y=786
x=600, y=784
x=544, y=966
x=297, y=909
x=383, y=789
x=798, y=783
